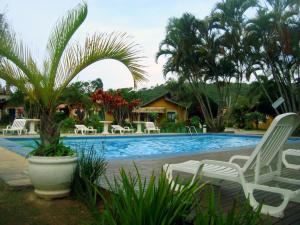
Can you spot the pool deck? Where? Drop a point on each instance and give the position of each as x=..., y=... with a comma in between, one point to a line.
x=13, y=170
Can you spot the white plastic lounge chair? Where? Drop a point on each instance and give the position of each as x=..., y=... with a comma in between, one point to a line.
x=263, y=165
x=84, y=130
x=149, y=126
x=18, y=126
x=122, y=130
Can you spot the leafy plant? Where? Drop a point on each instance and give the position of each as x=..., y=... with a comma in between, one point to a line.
x=91, y=166
x=211, y=213
x=154, y=202
x=195, y=120
x=254, y=117
x=171, y=127
x=94, y=121
x=65, y=60
x=68, y=124
x=52, y=150
x=153, y=116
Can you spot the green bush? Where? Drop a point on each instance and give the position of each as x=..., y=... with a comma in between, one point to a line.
x=153, y=202
x=135, y=201
x=94, y=121
x=68, y=124
x=195, y=120
x=52, y=150
x=254, y=117
x=171, y=127
x=91, y=165
x=5, y=119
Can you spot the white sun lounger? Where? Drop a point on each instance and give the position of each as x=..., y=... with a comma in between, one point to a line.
x=263, y=165
x=84, y=130
x=17, y=126
x=149, y=126
x=122, y=130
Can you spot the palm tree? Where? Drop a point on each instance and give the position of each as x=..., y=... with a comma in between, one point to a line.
x=64, y=61
x=274, y=39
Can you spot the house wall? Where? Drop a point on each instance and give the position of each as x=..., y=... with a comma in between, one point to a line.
x=109, y=117
x=264, y=125
x=170, y=107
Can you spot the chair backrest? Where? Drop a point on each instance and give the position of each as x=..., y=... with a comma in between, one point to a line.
x=117, y=127
x=19, y=123
x=81, y=127
x=150, y=125
x=273, y=140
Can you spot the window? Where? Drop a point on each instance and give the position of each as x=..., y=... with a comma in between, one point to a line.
x=171, y=116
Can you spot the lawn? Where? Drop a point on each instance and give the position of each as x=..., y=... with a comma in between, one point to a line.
x=23, y=207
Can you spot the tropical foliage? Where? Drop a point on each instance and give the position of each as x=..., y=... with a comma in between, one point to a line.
x=65, y=59
x=136, y=201
x=115, y=104
x=228, y=47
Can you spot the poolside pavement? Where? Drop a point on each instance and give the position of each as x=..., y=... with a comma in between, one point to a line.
x=13, y=169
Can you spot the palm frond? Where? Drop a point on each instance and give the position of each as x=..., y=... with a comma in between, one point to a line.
x=60, y=37
x=14, y=76
x=99, y=47
x=15, y=52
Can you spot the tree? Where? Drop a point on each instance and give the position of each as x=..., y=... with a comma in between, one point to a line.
x=115, y=104
x=65, y=60
x=274, y=50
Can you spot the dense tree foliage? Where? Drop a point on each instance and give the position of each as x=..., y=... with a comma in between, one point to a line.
x=227, y=47
x=115, y=104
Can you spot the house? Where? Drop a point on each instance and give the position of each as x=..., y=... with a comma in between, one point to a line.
x=160, y=109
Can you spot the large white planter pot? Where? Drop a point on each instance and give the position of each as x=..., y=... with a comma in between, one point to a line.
x=52, y=176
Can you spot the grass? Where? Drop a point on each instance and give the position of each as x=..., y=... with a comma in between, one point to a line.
x=23, y=207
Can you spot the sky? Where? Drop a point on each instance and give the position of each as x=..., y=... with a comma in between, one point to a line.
x=143, y=20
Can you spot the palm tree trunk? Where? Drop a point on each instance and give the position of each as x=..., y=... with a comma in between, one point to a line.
x=49, y=132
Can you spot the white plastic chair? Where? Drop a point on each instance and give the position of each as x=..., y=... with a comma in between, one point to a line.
x=122, y=130
x=84, y=130
x=18, y=126
x=150, y=126
x=264, y=164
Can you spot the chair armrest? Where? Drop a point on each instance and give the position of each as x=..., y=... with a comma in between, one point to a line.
x=90, y=127
x=8, y=126
x=242, y=157
x=290, y=152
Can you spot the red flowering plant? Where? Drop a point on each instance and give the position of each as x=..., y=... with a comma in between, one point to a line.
x=115, y=104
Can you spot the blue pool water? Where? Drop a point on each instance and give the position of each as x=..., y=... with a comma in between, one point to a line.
x=153, y=146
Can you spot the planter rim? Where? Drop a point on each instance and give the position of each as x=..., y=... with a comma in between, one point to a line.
x=52, y=159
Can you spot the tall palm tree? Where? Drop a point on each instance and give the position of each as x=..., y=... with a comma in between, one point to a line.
x=274, y=39
x=64, y=61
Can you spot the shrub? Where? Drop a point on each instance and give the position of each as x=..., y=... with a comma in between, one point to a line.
x=68, y=124
x=52, y=150
x=254, y=117
x=94, y=121
x=195, y=120
x=171, y=127
x=135, y=201
x=5, y=119
x=91, y=166
x=153, y=202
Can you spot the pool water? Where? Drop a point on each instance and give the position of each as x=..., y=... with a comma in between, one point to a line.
x=153, y=146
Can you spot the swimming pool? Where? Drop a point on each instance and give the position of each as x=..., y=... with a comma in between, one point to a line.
x=133, y=147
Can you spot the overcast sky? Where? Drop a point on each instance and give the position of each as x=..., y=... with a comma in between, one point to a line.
x=144, y=20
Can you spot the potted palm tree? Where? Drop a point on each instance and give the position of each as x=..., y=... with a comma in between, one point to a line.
x=51, y=164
